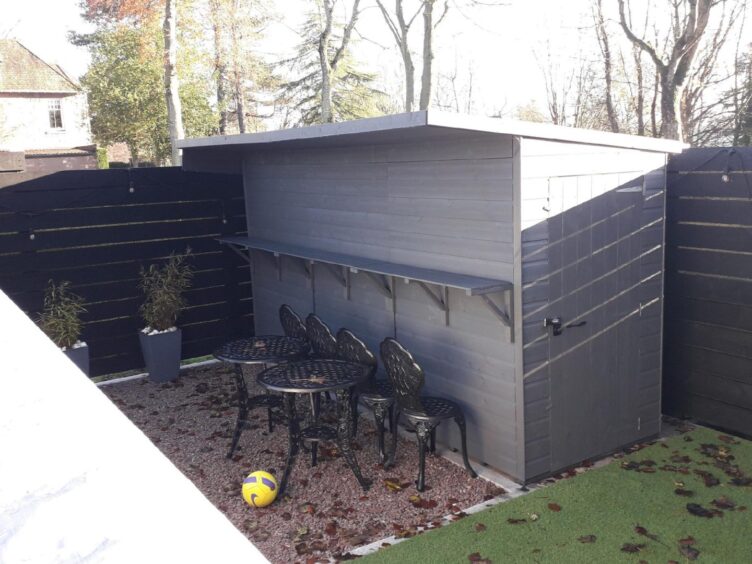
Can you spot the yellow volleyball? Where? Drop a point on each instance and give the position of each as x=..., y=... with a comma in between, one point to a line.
x=259, y=489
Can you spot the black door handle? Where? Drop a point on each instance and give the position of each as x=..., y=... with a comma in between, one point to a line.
x=558, y=324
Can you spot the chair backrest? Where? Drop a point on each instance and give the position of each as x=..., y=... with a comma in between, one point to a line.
x=292, y=325
x=405, y=375
x=322, y=341
x=352, y=349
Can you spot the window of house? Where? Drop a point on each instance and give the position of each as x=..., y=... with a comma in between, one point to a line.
x=56, y=116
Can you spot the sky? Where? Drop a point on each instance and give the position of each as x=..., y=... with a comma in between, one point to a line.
x=495, y=44
x=499, y=46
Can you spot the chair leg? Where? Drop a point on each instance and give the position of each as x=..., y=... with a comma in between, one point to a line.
x=379, y=413
x=460, y=419
x=422, y=432
x=393, y=422
x=391, y=415
x=269, y=415
x=355, y=415
x=432, y=445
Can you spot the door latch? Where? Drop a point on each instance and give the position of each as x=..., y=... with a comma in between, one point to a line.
x=554, y=322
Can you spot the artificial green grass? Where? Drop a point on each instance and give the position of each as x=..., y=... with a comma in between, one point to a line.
x=609, y=503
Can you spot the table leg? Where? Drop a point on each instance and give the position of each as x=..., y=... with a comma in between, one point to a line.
x=344, y=435
x=242, y=407
x=315, y=414
x=293, y=439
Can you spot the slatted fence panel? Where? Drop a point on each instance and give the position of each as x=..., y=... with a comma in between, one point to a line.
x=708, y=321
x=96, y=228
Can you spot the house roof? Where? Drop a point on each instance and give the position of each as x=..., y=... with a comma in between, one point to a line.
x=21, y=71
x=424, y=124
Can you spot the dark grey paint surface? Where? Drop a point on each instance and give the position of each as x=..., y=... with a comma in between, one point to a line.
x=708, y=354
x=596, y=258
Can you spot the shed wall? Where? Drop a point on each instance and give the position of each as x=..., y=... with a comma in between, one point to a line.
x=592, y=250
x=445, y=205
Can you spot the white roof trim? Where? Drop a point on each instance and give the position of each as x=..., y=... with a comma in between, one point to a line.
x=445, y=120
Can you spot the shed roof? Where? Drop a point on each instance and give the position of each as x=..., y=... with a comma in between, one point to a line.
x=425, y=125
x=23, y=72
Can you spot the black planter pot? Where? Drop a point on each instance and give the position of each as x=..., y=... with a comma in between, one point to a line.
x=80, y=357
x=162, y=354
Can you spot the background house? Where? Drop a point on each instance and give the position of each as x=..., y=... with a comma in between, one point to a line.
x=43, y=112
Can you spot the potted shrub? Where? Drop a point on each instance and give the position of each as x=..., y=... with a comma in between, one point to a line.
x=164, y=287
x=61, y=322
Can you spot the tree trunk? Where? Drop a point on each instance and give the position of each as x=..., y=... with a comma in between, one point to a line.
x=640, y=102
x=174, y=109
x=671, y=127
x=220, y=65
x=237, y=71
x=602, y=33
x=407, y=61
x=326, y=69
x=425, y=82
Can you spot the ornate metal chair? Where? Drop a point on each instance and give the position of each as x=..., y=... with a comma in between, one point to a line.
x=323, y=345
x=292, y=325
x=377, y=394
x=323, y=342
x=423, y=413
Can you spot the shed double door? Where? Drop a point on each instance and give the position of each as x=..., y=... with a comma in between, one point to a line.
x=594, y=251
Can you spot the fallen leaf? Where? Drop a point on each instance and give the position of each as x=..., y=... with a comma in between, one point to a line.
x=392, y=485
x=587, y=539
x=308, y=508
x=690, y=540
x=723, y=503
x=476, y=557
x=689, y=552
x=331, y=528
x=709, y=479
x=513, y=521
x=728, y=440
x=632, y=548
x=534, y=516
x=745, y=481
x=480, y=527
x=699, y=511
x=640, y=530
x=683, y=492
x=554, y=507
x=286, y=516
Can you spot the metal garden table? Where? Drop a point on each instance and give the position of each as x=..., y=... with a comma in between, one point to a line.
x=315, y=376
x=263, y=350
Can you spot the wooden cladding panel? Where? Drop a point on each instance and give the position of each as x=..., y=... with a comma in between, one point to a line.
x=97, y=229
x=708, y=323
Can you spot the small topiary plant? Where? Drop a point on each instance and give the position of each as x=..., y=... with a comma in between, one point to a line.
x=164, y=287
x=61, y=318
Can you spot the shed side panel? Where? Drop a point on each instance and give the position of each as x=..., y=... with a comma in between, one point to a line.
x=445, y=205
x=592, y=250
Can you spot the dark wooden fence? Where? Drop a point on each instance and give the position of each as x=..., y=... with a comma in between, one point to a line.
x=707, y=368
x=96, y=228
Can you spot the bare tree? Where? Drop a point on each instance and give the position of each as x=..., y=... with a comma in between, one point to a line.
x=329, y=64
x=428, y=28
x=699, y=114
x=605, y=47
x=400, y=30
x=216, y=16
x=689, y=22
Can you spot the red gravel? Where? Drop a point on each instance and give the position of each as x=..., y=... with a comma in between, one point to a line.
x=324, y=512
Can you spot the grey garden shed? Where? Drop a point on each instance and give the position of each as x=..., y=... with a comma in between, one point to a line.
x=521, y=264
